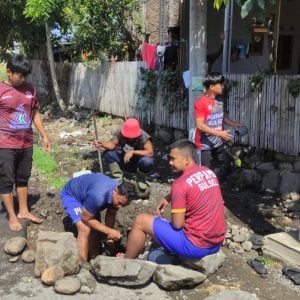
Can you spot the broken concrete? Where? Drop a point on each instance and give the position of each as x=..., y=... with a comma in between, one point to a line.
x=283, y=246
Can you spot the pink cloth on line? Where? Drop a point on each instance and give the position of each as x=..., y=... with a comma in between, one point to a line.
x=149, y=55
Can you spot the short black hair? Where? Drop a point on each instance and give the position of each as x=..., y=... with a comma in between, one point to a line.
x=19, y=63
x=122, y=190
x=186, y=147
x=212, y=79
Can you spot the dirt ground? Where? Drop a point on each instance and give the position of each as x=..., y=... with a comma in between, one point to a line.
x=73, y=153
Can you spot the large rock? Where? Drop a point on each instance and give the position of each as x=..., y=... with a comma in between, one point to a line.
x=56, y=249
x=67, y=286
x=123, y=272
x=284, y=157
x=28, y=256
x=233, y=295
x=165, y=135
x=52, y=274
x=248, y=179
x=290, y=182
x=15, y=245
x=208, y=264
x=88, y=282
x=271, y=181
x=297, y=166
x=265, y=167
x=172, y=278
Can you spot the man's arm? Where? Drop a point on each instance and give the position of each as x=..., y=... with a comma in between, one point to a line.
x=230, y=122
x=38, y=123
x=147, y=151
x=110, y=217
x=108, y=145
x=224, y=134
x=89, y=219
x=178, y=219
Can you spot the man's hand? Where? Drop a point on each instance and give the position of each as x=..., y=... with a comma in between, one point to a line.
x=113, y=234
x=97, y=144
x=46, y=143
x=161, y=206
x=225, y=135
x=128, y=155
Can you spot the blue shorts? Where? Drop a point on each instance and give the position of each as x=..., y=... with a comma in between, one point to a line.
x=175, y=241
x=72, y=207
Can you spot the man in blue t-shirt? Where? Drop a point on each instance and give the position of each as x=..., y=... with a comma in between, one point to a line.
x=83, y=199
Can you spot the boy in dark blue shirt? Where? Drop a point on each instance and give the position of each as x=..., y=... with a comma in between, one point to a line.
x=83, y=198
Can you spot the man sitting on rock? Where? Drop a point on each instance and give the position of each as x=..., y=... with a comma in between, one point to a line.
x=197, y=226
x=83, y=199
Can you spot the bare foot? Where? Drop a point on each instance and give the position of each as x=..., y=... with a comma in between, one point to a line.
x=14, y=225
x=31, y=217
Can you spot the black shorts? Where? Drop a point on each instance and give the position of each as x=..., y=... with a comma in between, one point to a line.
x=15, y=168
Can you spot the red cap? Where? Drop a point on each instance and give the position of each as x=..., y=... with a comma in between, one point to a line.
x=131, y=128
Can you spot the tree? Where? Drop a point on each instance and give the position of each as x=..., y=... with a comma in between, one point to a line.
x=16, y=28
x=40, y=11
x=245, y=5
x=105, y=28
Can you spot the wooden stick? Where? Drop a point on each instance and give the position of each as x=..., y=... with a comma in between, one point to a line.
x=95, y=126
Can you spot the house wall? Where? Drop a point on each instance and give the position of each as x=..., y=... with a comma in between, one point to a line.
x=241, y=33
x=151, y=12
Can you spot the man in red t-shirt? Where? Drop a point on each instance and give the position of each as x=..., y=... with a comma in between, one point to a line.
x=18, y=110
x=197, y=226
x=210, y=138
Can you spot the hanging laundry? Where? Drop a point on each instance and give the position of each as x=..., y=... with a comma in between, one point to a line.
x=149, y=55
x=171, y=58
x=160, y=51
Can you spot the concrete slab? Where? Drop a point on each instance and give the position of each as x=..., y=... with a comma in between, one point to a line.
x=284, y=246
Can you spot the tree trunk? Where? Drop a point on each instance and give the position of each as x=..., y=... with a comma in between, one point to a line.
x=60, y=101
x=197, y=52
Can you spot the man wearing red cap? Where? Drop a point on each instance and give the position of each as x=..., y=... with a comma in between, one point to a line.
x=130, y=149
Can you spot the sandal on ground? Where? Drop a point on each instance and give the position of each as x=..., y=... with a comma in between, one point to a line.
x=258, y=266
x=292, y=273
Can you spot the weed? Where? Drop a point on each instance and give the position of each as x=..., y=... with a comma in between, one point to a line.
x=46, y=164
x=43, y=161
x=2, y=72
x=57, y=181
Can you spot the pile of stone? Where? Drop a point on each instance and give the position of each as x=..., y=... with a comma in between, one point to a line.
x=271, y=171
x=238, y=239
x=57, y=264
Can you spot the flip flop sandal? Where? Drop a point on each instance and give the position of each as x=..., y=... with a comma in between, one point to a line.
x=258, y=266
x=292, y=273
x=257, y=241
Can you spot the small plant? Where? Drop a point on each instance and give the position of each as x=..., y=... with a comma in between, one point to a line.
x=2, y=72
x=294, y=87
x=167, y=83
x=43, y=161
x=46, y=165
x=149, y=88
x=257, y=80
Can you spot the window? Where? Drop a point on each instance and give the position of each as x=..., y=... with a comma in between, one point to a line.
x=285, y=52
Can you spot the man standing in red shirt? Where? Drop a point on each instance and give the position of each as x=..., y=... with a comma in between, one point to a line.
x=210, y=137
x=18, y=110
x=197, y=226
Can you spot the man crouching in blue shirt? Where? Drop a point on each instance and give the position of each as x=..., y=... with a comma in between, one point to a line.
x=83, y=199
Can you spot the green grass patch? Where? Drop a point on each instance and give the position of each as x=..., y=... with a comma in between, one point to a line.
x=3, y=75
x=43, y=161
x=46, y=164
x=57, y=181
